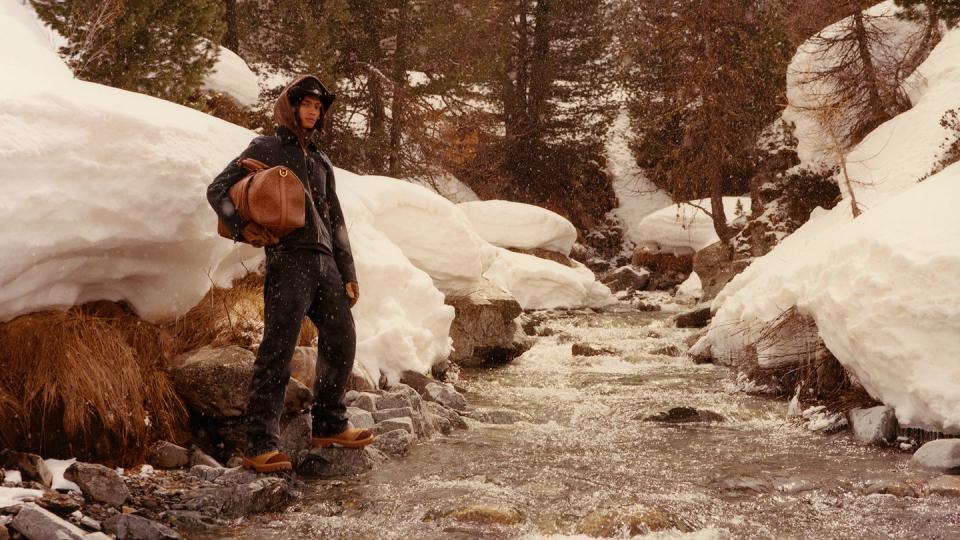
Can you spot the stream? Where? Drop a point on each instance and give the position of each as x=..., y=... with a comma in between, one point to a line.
x=586, y=464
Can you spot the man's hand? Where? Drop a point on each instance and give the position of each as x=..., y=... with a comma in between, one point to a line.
x=353, y=292
x=258, y=235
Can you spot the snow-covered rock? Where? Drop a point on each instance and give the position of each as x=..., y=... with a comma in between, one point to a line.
x=685, y=228
x=691, y=288
x=542, y=284
x=233, y=77
x=883, y=289
x=523, y=226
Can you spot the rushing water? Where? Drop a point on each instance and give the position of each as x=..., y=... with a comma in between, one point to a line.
x=587, y=466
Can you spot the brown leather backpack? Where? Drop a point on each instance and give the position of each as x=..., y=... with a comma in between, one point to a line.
x=269, y=196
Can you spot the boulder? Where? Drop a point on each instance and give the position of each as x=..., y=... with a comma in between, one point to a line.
x=35, y=523
x=451, y=417
x=199, y=457
x=395, y=442
x=593, y=349
x=946, y=485
x=327, y=462
x=360, y=418
x=941, y=455
x=897, y=488
x=716, y=267
x=417, y=381
x=133, y=527
x=682, y=415
x=698, y=317
x=166, y=455
x=661, y=261
x=485, y=329
x=626, y=278
x=295, y=433
x=701, y=352
x=98, y=483
x=404, y=423
x=31, y=466
x=361, y=400
x=874, y=425
x=213, y=382
x=445, y=395
x=238, y=493
x=303, y=367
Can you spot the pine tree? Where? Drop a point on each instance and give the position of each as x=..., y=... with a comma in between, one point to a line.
x=703, y=79
x=163, y=48
x=945, y=10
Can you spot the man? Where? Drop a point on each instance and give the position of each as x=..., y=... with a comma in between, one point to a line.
x=309, y=272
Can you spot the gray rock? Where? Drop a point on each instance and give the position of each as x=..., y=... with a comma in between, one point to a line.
x=412, y=395
x=682, y=415
x=89, y=523
x=626, y=278
x=445, y=395
x=455, y=420
x=696, y=318
x=484, y=329
x=499, y=416
x=133, y=527
x=35, y=523
x=946, y=485
x=439, y=423
x=239, y=493
x=193, y=520
x=295, y=433
x=328, y=462
x=592, y=349
x=205, y=472
x=395, y=423
x=387, y=414
x=58, y=503
x=417, y=381
x=394, y=443
x=31, y=467
x=941, y=455
x=361, y=400
x=213, y=382
x=99, y=483
x=896, y=488
x=199, y=457
x=360, y=418
x=166, y=455
x=874, y=425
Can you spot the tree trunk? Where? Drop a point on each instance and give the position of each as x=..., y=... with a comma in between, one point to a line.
x=400, y=88
x=231, y=39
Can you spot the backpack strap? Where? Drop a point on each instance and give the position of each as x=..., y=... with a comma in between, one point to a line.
x=252, y=165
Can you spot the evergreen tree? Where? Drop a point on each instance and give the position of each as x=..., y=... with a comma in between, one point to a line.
x=946, y=10
x=163, y=48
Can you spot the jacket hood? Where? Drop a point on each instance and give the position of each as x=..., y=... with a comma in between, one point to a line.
x=285, y=115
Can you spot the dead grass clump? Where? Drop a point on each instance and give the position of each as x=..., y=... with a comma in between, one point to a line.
x=224, y=317
x=71, y=387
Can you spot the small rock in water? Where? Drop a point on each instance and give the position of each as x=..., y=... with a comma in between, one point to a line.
x=874, y=425
x=446, y=395
x=741, y=484
x=395, y=443
x=896, y=488
x=499, y=416
x=669, y=350
x=941, y=454
x=696, y=318
x=946, y=485
x=166, y=455
x=99, y=483
x=487, y=515
x=592, y=349
x=682, y=415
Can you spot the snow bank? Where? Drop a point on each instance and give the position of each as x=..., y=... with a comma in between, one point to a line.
x=233, y=77
x=517, y=225
x=543, y=284
x=16, y=496
x=813, y=150
x=884, y=289
x=637, y=196
x=449, y=187
x=685, y=228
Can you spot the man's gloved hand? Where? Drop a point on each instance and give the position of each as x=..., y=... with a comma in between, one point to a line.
x=258, y=235
x=353, y=292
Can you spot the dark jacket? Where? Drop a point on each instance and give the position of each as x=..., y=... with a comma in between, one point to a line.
x=290, y=146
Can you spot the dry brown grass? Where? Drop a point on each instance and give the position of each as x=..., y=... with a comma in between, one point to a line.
x=74, y=386
x=231, y=316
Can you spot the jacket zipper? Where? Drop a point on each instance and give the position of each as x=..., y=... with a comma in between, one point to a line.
x=313, y=205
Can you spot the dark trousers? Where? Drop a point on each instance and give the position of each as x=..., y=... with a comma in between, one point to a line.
x=300, y=283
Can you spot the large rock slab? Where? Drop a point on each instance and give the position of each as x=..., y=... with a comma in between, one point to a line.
x=213, y=382
x=941, y=455
x=484, y=329
x=99, y=483
x=35, y=523
x=875, y=425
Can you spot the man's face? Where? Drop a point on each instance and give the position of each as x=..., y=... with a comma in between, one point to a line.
x=309, y=112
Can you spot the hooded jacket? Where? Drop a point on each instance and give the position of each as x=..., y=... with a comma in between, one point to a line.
x=291, y=146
